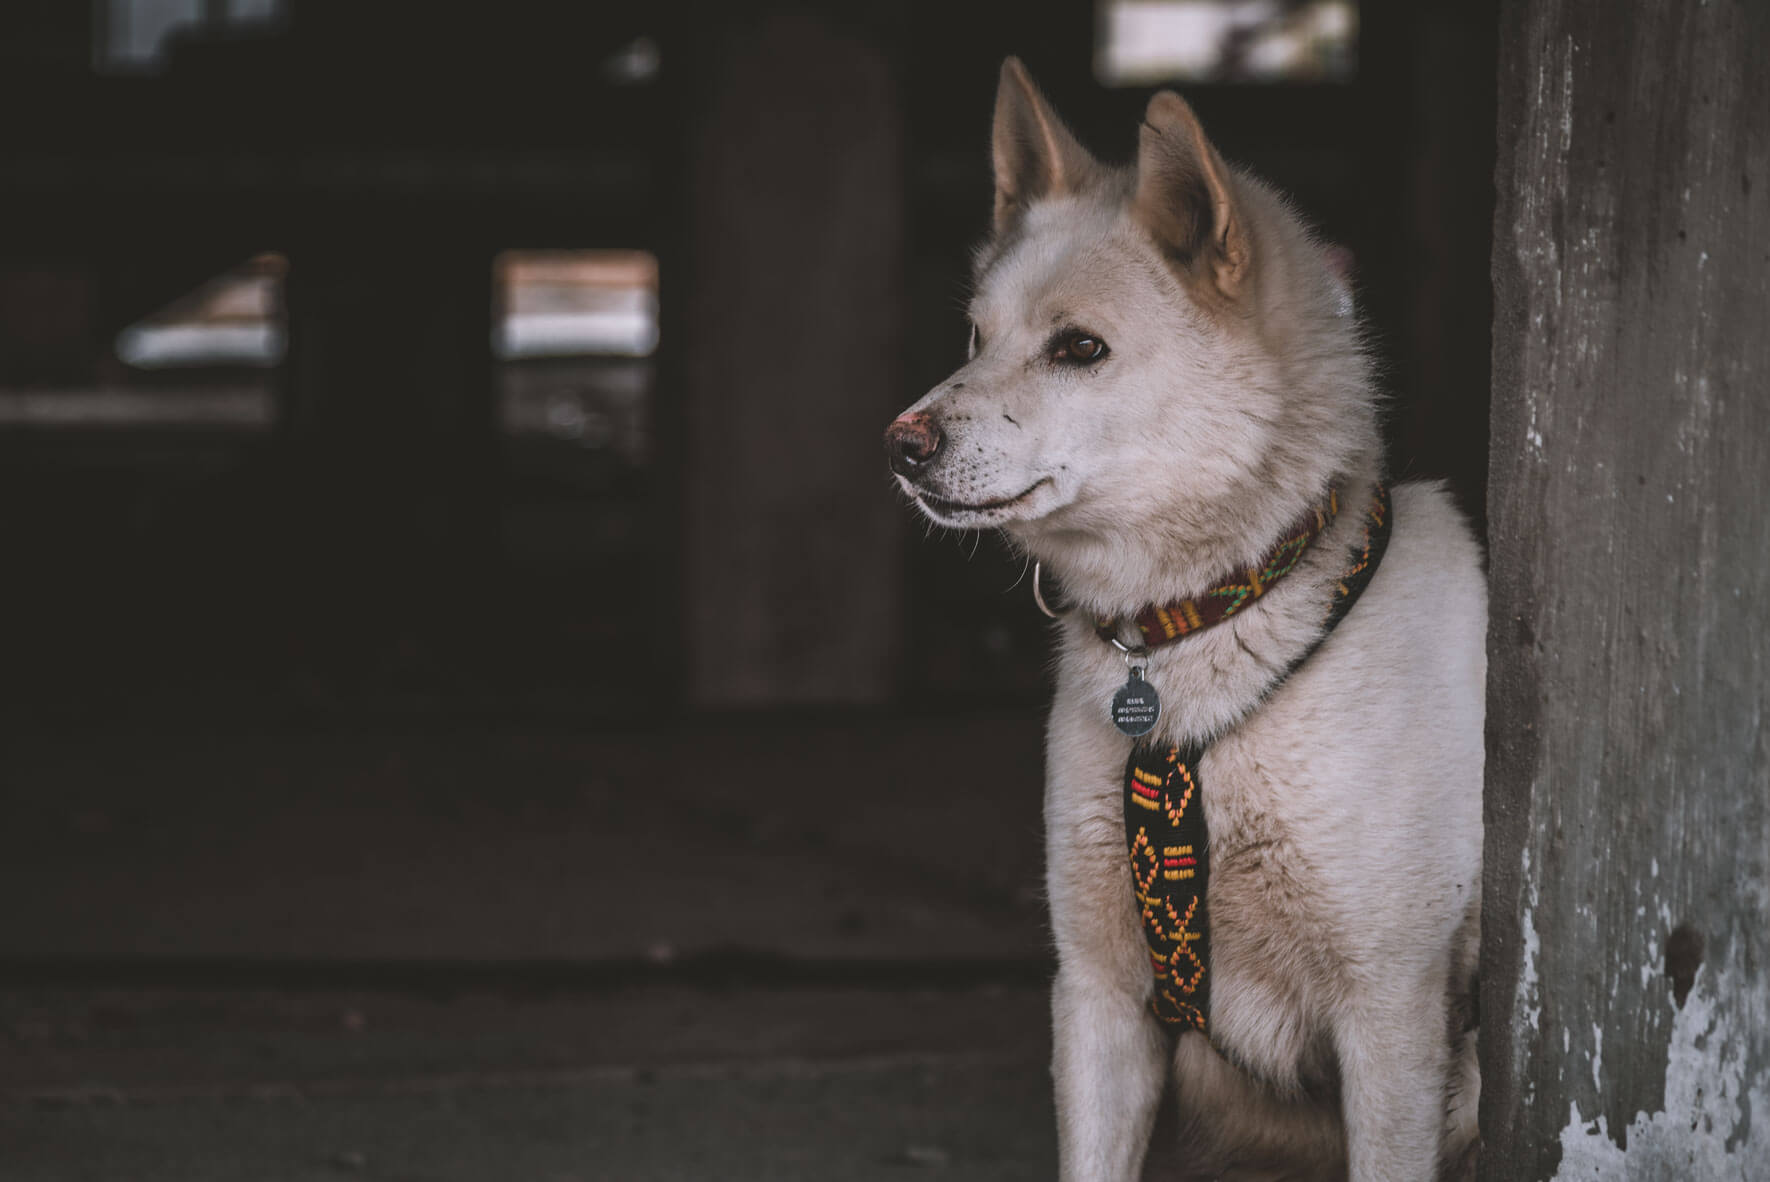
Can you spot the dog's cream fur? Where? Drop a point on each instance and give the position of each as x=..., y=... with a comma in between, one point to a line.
x=1344, y=812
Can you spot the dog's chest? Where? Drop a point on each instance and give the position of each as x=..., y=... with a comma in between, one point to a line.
x=1276, y=963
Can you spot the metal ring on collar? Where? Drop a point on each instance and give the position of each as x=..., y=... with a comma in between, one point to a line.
x=1038, y=593
x=1131, y=652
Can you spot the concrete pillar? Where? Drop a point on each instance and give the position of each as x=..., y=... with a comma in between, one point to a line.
x=1625, y=1006
x=794, y=267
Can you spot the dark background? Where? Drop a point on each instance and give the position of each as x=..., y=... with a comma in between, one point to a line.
x=382, y=697
x=371, y=553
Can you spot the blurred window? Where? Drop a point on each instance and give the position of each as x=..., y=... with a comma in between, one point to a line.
x=1149, y=42
x=235, y=319
x=136, y=36
x=201, y=363
x=574, y=334
x=576, y=303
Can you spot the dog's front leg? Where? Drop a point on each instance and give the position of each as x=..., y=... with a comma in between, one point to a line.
x=1108, y=1064
x=1109, y=1057
x=1393, y=1061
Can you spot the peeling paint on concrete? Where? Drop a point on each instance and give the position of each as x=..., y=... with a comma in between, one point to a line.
x=1529, y=1000
x=1715, y=1124
x=1598, y=1055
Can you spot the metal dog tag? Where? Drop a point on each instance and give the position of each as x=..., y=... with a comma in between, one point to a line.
x=1136, y=706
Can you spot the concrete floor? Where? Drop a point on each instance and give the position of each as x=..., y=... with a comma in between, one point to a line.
x=792, y=950
x=649, y=1084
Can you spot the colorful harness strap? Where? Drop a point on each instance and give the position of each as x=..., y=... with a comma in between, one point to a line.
x=1165, y=833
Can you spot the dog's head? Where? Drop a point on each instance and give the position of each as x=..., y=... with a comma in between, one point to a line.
x=1153, y=350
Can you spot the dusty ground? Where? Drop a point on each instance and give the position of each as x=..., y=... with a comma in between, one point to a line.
x=807, y=949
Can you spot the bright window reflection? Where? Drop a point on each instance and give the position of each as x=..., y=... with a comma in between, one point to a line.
x=576, y=303
x=137, y=36
x=234, y=319
x=1148, y=42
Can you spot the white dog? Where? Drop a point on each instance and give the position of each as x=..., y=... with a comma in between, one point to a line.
x=1169, y=406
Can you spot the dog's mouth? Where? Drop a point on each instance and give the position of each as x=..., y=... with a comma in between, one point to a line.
x=940, y=507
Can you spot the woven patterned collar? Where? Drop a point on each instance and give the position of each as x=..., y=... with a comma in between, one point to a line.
x=1159, y=625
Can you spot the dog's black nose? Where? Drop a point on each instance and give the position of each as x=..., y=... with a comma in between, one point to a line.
x=911, y=441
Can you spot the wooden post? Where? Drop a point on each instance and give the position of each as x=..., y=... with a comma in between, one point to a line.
x=1625, y=995
x=792, y=585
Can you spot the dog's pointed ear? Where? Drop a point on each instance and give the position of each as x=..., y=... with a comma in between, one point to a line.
x=1184, y=197
x=1035, y=155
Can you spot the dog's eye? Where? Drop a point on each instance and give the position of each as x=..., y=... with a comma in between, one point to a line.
x=1076, y=347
